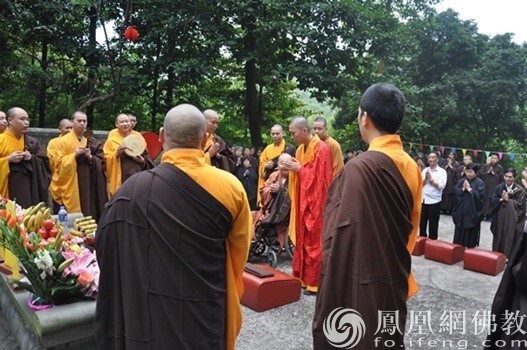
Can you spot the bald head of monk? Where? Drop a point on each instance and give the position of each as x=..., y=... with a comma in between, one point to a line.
x=3, y=122
x=300, y=131
x=213, y=119
x=284, y=157
x=277, y=134
x=123, y=124
x=18, y=121
x=80, y=122
x=65, y=126
x=184, y=127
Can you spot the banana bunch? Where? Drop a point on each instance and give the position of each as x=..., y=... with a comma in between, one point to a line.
x=35, y=215
x=84, y=227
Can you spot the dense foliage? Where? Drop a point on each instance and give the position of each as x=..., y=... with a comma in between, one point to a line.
x=249, y=58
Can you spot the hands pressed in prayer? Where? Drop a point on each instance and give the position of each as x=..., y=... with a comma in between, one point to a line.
x=504, y=196
x=273, y=188
x=16, y=157
x=213, y=150
x=466, y=186
x=269, y=165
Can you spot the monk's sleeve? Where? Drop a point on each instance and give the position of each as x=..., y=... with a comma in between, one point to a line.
x=265, y=193
x=238, y=243
x=113, y=165
x=4, y=184
x=317, y=175
x=338, y=160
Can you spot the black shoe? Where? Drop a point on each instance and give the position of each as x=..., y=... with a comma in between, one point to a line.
x=308, y=292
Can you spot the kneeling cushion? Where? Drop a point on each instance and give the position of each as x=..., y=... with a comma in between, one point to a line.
x=444, y=252
x=264, y=293
x=419, y=247
x=484, y=261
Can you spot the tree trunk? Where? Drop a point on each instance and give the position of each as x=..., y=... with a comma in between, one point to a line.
x=91, y=62
x=169, y=101
x=155, y=90
x=251, y=75
x=42, y=97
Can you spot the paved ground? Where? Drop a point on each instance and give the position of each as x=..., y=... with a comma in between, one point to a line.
x=448, y=290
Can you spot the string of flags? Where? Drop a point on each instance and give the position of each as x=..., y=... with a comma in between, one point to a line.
x=475, y=152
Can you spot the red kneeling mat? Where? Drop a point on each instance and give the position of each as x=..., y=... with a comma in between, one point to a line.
x=444, y=252
x=275, y=288
x=419, y=247
x=484, y=261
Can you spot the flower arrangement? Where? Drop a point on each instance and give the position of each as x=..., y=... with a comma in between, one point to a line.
x=57, y=269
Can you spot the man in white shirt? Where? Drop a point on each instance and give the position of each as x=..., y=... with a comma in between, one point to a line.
x=434, y=180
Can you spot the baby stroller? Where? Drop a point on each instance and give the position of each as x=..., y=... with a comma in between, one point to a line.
x=271, y=234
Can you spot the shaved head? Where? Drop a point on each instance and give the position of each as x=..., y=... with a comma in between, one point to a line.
x=65, y=126
x=284, y=157
x=300, y=123
x=184, y=127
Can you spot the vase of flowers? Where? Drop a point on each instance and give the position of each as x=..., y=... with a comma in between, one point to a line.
x=56, y=269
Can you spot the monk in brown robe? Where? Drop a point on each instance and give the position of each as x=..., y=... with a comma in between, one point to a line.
x=371, y=220
x=508, y=213
x=24, y=163
x=119, y=165
x=448, y=199
x=310, y=175
x=491, y=174
x=217, y=152
x=80, y=167
x=320, y=127
x=171, y=273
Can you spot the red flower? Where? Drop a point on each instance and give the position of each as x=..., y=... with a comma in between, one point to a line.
x=131, y=33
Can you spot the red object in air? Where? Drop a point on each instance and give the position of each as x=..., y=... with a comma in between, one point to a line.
x=153, y=145
x=131, y=33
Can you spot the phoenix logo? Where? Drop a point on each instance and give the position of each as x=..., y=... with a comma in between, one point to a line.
x=344, y=328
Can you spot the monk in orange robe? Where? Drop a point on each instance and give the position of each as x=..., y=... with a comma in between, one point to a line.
x=80, y=170
x=65, y=126
x=311, y=175
x=119, y=165
x=320, y=127
x=217, y=152
x=269, y=157
x=185, y=241
x=24, y=166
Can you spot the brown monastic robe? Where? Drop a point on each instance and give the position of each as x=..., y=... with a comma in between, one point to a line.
x=491, y=180
x=367, y=223
x=167, y=261
x=508, y=218
x=92, y=181
x=29, y=179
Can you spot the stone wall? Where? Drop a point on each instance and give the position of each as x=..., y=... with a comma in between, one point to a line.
x=43, y=135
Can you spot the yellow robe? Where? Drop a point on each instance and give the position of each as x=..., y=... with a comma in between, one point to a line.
x=232, y=195
x=66, y=165
x=336, y=155
x=54, y=189
x=391, y=146
x=8, y=144
x=270, y=152
x=210, y=141
x=112, y=162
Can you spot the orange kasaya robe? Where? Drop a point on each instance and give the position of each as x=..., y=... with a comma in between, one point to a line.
x=308, y=191
x=391, y=146
x=8, y=144
x=336, y=155
x=54, y=189
x=232, y=195
x=269, y=153
x=112, y=162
